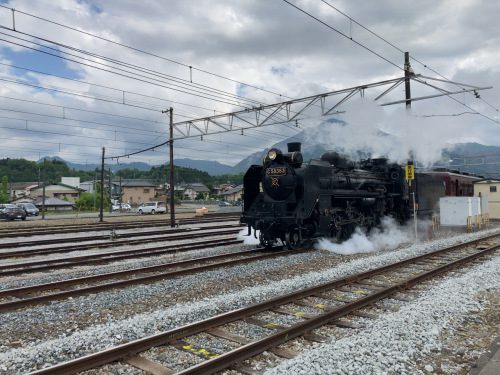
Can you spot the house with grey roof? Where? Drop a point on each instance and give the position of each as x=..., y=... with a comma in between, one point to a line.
x=234, y=194
x=192, y=190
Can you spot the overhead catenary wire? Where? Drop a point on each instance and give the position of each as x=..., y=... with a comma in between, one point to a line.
x=59, y=56
x=12, y=29
x=131, y=74
x=144, y=78
x=190, y=67
x=400, y=50
x=71, y=135
x=64, y=116
x=175, y=79
x=27, y=121
x=110, y=88
x=343, y=34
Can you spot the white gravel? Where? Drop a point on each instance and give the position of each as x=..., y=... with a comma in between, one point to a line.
x=74, y=344
x=394, y=343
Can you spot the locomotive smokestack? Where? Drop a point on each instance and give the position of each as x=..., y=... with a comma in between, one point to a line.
x=294, y=146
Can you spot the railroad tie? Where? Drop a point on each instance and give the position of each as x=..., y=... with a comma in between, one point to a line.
x=148, y=365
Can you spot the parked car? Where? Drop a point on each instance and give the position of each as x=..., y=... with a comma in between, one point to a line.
x=30, y=208
x=3, y=206
x=224, y=204
x=121, y=207
x=13, y=212
x=152, y=208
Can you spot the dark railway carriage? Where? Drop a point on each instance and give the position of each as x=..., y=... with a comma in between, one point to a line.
x=294, y=203
x=432, y=185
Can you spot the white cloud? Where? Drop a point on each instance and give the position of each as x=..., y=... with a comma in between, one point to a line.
x=246, y=40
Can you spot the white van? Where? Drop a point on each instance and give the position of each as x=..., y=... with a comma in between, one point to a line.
x=152, y=208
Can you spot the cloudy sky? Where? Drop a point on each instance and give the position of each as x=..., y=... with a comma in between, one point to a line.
x=79, y=75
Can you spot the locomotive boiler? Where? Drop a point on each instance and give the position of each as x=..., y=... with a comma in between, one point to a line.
x=289, y=201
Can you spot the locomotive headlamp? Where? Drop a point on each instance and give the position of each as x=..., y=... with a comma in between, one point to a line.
x=272, y=155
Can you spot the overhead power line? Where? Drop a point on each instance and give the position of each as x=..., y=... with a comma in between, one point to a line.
x=400, y=50
x=190, y=67
x=343, y=34
x=126, y=74
x=124, y=92
x=64, y=115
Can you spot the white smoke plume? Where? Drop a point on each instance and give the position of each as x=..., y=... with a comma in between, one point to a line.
x=248, y=240
x=388, y=237
x=398, y=135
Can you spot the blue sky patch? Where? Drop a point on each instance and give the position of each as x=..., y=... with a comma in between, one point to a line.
x=280, y=70
x=39, y=62
x=93, y=7
x=241, y=89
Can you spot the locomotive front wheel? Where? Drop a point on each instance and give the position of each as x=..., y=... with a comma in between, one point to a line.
x=292, y=239
x=264, y=242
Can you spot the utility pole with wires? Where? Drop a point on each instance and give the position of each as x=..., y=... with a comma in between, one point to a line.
x=410, y=168
x=171, y=172
x=110, y=192
x=408, y=74
x=101, y=204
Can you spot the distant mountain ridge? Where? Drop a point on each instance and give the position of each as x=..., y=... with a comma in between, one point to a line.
x=91, y=167
x=480, y=159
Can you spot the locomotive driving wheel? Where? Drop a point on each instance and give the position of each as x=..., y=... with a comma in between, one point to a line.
x=292, y=238
x=265, y=242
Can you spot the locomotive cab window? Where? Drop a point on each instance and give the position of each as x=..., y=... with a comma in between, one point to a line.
x=493, y=189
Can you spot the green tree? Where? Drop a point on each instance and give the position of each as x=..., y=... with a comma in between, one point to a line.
x=86, y=201
x=4, y=197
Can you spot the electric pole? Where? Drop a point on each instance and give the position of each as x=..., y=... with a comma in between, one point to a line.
x=101, y=204
x=408, y=73
x=110, y=193
x=410, y=167
x=171, y=178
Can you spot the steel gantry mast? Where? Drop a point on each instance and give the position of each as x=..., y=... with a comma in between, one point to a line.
x=299, y=109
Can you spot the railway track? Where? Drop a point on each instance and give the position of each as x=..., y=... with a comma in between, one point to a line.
x=308, y=309
x=12, y=269
x=35, y=230
x=118, y=239
x=11, y=299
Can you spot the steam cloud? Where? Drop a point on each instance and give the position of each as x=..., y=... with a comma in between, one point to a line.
x=248, y=240
x=367, y=127
x=388, y=237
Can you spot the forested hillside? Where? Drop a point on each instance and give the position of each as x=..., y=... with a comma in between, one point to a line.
x=51, y=171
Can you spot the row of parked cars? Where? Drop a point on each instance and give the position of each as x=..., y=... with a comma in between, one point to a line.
x=145, y=208
x=18, y=211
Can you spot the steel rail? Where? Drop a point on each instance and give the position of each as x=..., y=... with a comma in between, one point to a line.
x=52, y=264
x=223, y=361
x=170, y=236
x=34, y=230
x=249, y=257
x=96, y=237
x=242, y=353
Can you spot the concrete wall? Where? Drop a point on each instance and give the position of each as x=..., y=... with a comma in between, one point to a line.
x=493, y=197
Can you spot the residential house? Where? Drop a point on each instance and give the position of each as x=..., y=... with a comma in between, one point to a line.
x=136, y=192
x=53, y=204
x=489, y=190
x=192, y=190
x=88, y=186
x=60, y=191
x=71, y=181
x=18, y=190
x=218, y=190
x=233, y=195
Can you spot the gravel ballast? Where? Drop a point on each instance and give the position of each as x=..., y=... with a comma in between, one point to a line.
x=394, y=343
x=76, y=343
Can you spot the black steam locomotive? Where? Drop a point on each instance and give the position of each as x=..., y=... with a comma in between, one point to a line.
x=287, y=200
